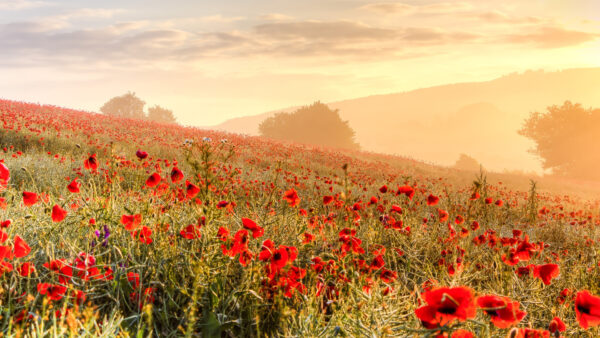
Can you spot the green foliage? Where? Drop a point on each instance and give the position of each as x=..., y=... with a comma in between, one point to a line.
x=127, y=105
x=316, y=124
x=466, y=162
x=565, y=136
x=160, y=114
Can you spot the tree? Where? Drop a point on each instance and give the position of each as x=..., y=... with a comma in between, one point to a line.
x=160, y=114
x=316, y=124
x=566, y=139
x=127, y=105
x=466, y=162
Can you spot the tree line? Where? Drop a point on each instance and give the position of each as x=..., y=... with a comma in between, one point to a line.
x=131, y=106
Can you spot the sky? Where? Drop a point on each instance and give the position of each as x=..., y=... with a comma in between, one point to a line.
x=210, y=61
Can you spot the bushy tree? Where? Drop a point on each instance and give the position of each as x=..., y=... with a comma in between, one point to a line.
x=466, y=162
x=566, y=139
x=160, y=114
x=316, y=124
x=127, y=105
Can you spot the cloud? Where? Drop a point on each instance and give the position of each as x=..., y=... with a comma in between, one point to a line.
x=427, y=35
x=218, y=18
x=390, y=8
x=15, y=5
x=319, y=31
x=146, y=43
x=501, y=17
x=406, y=9
x=275, y=17
x=552, y=37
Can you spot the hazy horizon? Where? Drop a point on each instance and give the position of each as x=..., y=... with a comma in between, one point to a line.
x=210, y=62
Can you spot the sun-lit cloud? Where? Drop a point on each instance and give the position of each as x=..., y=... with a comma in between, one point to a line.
x=552, y=37
x=407, y=9
x=315, y=30
x=275, y=17
x=15, y=5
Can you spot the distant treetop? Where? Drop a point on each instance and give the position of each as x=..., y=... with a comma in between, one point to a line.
x=131, y=106
x=316, y=124
x=566, y=139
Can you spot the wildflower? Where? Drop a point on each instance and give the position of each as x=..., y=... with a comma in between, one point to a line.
x=432, y=200
x=503, y=311
x=29, y=198
x=587, y=309
x=291, y=196
x=141, y=154
x=58, y=213
x=444, y=305
x=153, y=180
x=249, y=224
x=74, y=186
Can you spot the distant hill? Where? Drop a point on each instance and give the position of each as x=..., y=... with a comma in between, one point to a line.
x=437, y=124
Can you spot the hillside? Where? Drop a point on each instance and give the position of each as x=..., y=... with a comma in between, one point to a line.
x=112, y=226
x=415, y=123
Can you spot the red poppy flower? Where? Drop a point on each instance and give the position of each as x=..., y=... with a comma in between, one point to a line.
x=556, y=324
x=388, y=276
x=445, y=305
x=134, y=279
x=223, y=234
x=443, y=215
x=279, y=259
x=192, y=231
x=91, y=163
x=54, y=292
x=252, y=226
x=153, y=180
x=144, y=235
x=529, y=333
x=131, y=222
x=191, y=189
x=176, y=175
x=5, y=267
x=504, y=312
x=377, y=263
x=4, y=173
x=74, y=186
x=291, y=196
x=26, y=269
x=141, y=154
x=432, y=200
x=222, y=204
x=327, y=199
x=266, y=250
x=58, y=213
x=308, y=238
x=546, y=272
x=460, y=333
x=587, y=309
x=383, y=189
x=29, y=198
x=408, y=191
x=20, y=248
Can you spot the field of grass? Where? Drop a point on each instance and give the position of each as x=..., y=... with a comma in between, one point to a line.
x=123, y=227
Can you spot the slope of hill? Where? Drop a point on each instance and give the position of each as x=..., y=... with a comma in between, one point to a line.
x=118, y=227
x=415, y=123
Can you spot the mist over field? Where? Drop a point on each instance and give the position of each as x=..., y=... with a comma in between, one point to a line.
x=315, y=168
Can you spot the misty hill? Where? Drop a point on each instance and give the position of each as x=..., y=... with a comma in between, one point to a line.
x=437, y=124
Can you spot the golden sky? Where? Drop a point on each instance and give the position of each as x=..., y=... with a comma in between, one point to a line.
x=209, y=61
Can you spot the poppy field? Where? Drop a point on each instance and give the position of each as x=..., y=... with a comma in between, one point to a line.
x=118, y=227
